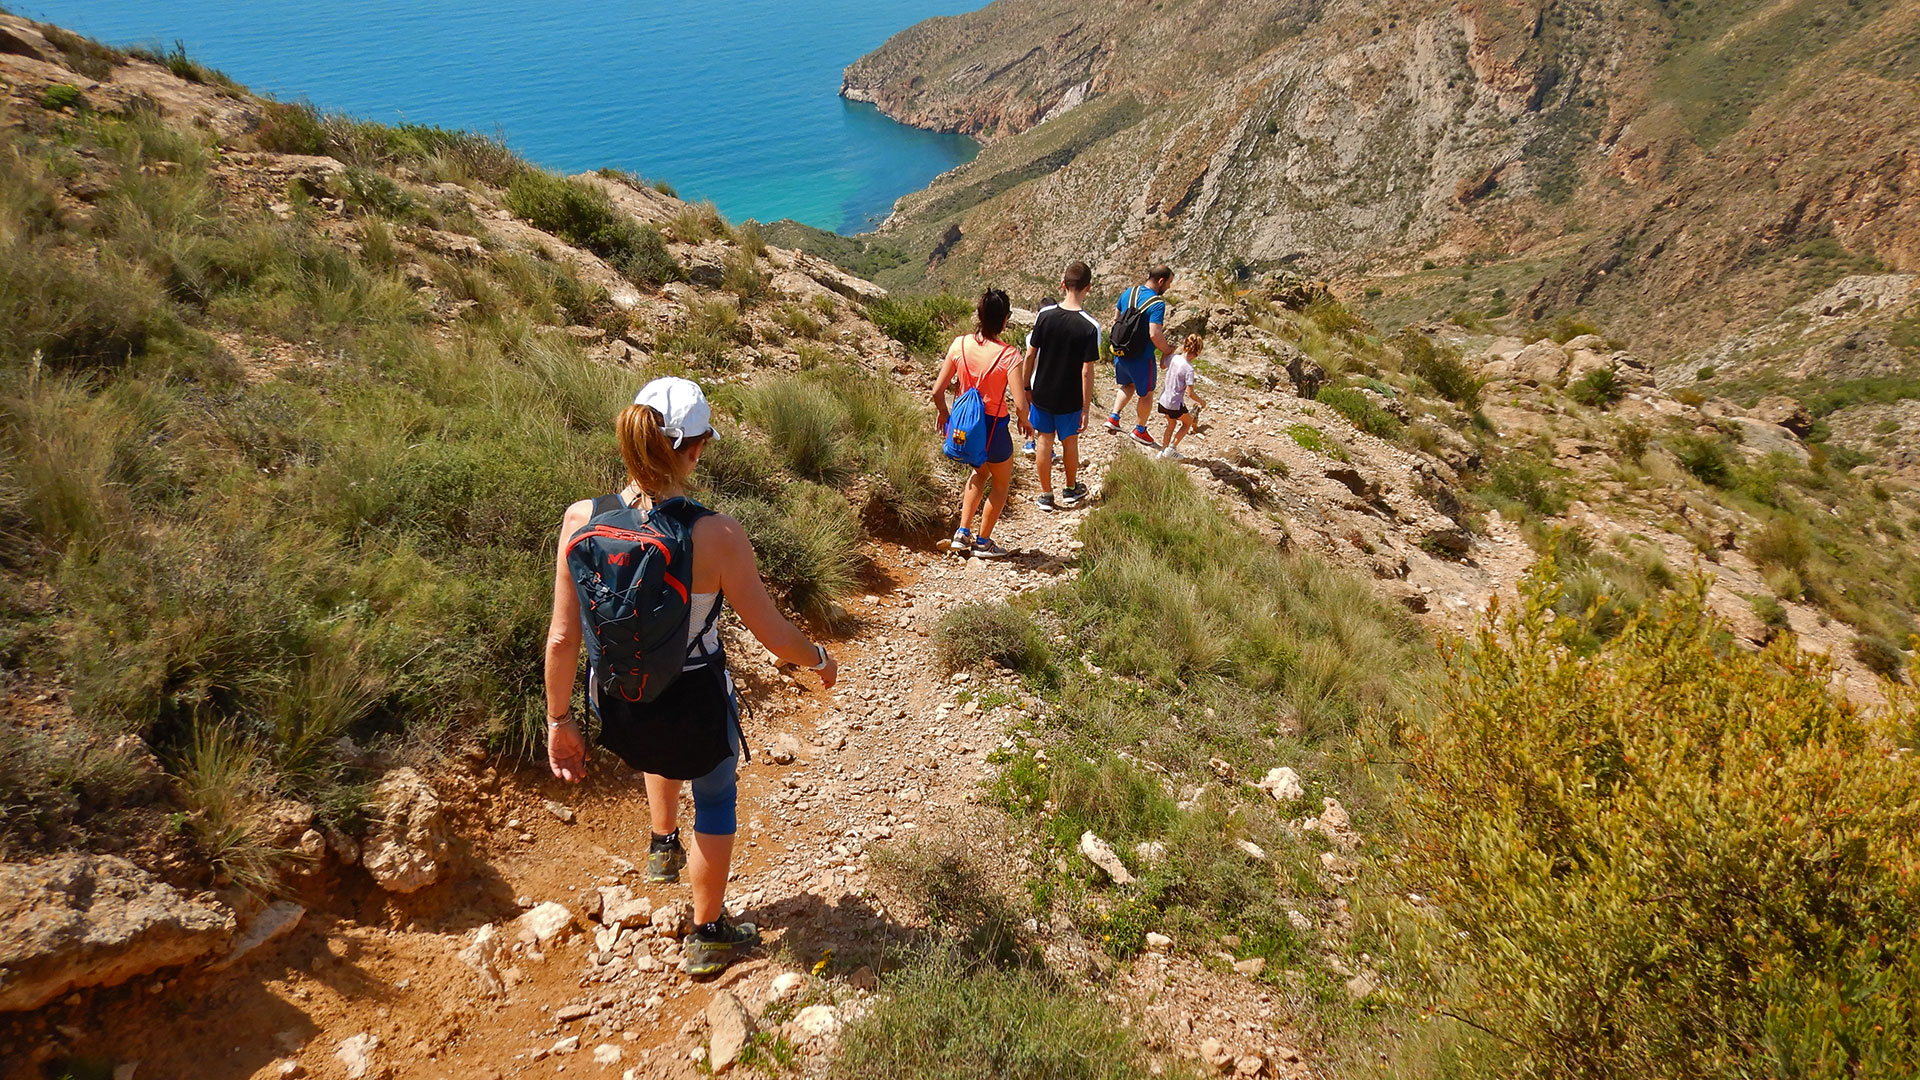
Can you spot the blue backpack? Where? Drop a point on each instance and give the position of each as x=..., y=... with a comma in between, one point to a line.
x=631, y=569
x=967, y=429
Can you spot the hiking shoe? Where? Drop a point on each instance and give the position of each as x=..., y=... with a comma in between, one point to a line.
x=1140, y=436
x=711, y=947
x=665, y=857
x=1045, y=501
x=985, y=548
x=1027, y=448
x=961, y=543
x=1170, y=454
x=1113, y=423
x=1073, y=494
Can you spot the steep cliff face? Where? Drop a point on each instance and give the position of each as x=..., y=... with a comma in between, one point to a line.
x=1686, y=143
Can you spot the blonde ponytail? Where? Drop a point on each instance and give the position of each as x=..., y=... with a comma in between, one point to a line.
x=653, y=464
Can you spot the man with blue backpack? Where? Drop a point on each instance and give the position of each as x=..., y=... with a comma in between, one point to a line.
x=1139, y=339
x=982, y=368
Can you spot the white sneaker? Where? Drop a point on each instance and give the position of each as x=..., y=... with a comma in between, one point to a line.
x=1169, y=454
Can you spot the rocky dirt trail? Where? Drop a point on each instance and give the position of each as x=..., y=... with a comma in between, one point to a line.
x=547, y=954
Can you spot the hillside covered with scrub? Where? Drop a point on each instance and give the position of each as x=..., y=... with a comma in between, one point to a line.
x=1476, y=697
x=1676, y=170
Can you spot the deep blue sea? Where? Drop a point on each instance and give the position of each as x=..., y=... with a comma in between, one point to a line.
x=730, y=100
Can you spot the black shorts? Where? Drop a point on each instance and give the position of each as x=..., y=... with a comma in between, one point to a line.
x=1175, y=413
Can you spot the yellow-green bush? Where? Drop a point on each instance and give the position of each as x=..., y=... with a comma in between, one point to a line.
x=1666, y=856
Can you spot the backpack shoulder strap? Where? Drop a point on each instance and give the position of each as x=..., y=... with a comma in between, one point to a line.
x=682, y=509
x=605, y=503
x=968, y=377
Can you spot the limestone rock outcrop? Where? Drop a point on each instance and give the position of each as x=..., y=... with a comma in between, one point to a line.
x=408, y=846
x=95, y=920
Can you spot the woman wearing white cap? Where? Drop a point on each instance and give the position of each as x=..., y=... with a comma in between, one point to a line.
x=661, y=437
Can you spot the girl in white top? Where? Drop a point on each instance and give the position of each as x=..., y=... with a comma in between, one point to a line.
x=1176, y=394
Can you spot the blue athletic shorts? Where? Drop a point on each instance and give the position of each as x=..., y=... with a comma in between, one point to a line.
x=1064, y=424
x=999, y=440
x=1136, y=372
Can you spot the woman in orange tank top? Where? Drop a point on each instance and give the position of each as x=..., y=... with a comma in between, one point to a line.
x=981, y=359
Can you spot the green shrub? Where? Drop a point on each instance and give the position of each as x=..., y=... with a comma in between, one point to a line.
x=1568, y=327
x=1784, y=583
x=1598, y=389
x=99, y=317
x=1881, y=656
x=740, y=467
x=741, y=276
x=806, y=424
x=299, y=128
x=947, y=1017
x=750, y=241
x=73, y=775
x=74, y=458
x=888, y=438
x=61, y=96
x=1704, y=456
x=377, y=193
x=84, y=55
x=583, y=214
x=1334, y=318
x=808, y=545
x=1441, y=366
x=951, y=881
x=1771, y=613
x=988, y=632
x=1663, y=857
x=924, y=324
x=696, y=223
x=1519, y=478
x=905, y=486
x=1171, y=589
x=1360, y=411
x=795, y=320
x=176, y=61
x=1307, y=437
x=1783, y=542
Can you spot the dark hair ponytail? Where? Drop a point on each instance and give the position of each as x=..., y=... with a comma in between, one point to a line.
x=990, y=315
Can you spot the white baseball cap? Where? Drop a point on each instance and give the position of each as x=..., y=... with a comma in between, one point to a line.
x=682, y=405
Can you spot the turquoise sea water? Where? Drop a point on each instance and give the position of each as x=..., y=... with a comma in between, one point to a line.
x=730, y=100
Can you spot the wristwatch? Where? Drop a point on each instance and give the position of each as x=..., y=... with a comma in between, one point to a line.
x=822, y=665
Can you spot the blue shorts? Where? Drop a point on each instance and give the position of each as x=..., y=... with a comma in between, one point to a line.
x=1064, y=424
x=999, y=440
x=1136, y=372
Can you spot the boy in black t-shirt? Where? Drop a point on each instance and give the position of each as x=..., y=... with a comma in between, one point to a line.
x=1061, y=352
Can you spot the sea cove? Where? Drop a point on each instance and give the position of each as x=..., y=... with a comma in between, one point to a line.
x=735, y=102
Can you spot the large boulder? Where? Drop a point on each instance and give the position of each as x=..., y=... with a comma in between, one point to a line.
x=1289, y=289
x=407, y=848
x=1542, y=363
x=1307, y=375
x=1759, y=439
x=94, y=920
x=1784, y=412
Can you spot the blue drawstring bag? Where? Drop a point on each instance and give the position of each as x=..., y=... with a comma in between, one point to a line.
x=967, y=429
